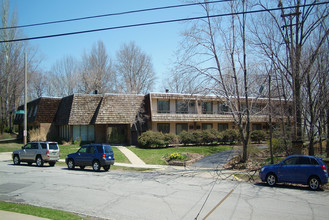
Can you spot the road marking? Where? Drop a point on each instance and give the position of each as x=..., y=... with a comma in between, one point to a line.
x=218, y=204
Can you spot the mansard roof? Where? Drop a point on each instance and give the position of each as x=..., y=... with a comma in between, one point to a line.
x=119, y=109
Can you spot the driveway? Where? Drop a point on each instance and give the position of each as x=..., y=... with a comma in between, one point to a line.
x=215, y=161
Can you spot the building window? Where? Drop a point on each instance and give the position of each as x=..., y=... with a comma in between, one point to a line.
x=256, y=127
x=64, y=132
x=222, y=108
x=35, y=111
x=164, y=128
x=85, y=132
x=163, y=106
x=181, y=107
x=181, y=127
x=206, y=126
x=222, y=127
x=206, y=107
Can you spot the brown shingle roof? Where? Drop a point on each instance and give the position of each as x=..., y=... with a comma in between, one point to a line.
x=83, y=109
x=41, y=110
x=119, y=109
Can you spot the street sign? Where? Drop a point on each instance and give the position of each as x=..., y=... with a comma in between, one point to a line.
x=19, y=112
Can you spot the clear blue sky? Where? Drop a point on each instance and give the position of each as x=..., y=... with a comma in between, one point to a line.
x=158, y=41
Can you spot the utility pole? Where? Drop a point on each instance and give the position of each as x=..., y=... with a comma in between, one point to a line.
x=25, y=99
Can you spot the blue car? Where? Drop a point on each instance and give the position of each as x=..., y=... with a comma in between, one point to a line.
x=299, y=169
x=95, y=155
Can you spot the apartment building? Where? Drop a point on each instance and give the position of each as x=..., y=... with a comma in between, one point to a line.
x=120, y=118
x=176, y=112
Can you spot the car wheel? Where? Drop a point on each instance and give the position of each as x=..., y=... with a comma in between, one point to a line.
x=82, y=167
x=106, y=168
x=16, y=160
x=271, y=179
x=70, y=164
x=314, y=183
x=96, y=165
x=52, y=164
x=39, y=161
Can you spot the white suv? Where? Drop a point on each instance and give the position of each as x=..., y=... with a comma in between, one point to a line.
x=39, y=152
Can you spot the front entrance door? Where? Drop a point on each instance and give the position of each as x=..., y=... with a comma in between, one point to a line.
x=117, y=134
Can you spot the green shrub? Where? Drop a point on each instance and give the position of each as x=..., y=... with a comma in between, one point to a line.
x=186, y=137
x=170, y=138
x=209, y=136
x=230, y=135
x=257, y=136
x=197, y=137
x=77, y=141
x=277, y=145
x=151, y=139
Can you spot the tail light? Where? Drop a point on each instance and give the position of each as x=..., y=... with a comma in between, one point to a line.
x=324, y=168
x=47, y=153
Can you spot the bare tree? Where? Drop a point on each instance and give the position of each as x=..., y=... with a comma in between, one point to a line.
x=134, y=70
x=64, y=77
x=96, y=71
x=11, y=66
x=294, y=47
x=215, y=52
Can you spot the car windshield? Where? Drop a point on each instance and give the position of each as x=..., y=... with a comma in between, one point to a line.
x=53, y=146
x=107, y=149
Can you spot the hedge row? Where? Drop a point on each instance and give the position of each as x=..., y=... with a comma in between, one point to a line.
x=158, y=139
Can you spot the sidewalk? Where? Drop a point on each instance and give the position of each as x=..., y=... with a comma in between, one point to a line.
x=14, y=215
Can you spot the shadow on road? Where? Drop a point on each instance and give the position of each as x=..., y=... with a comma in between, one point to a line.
x=288, y=186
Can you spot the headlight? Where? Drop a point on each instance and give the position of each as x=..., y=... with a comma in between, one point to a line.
x=261, y=170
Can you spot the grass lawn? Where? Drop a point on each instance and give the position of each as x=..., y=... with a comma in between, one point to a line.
x=38, y=211
x=155, y=156
x=9, y=147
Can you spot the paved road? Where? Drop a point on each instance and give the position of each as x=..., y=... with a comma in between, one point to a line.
x=155, y=195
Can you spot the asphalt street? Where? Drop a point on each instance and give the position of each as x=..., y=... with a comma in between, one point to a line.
x=165, y=194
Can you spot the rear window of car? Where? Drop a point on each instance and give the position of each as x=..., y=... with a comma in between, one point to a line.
x=108, y=149
x=53, y=146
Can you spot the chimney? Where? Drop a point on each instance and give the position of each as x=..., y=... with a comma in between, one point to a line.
x=167, y=90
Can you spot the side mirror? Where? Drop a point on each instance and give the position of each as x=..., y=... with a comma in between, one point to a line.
x=22, y=147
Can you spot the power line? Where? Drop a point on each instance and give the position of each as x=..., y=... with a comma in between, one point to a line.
x=114, y=14
x=157, y=22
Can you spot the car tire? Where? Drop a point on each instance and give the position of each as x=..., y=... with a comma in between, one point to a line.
x=271, y=179
x=106, y=168
x=70, y=164
x=16, y=160
x=39, y=161
x=51, y=164
x=314, y=183
x=82, y=167
x=96, y=165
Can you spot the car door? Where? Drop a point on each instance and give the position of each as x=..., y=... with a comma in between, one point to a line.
x=287, y=170
x=33, y=151
x=81, y=156
x=90, y=156
x=303, y=169
x=23, y=153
